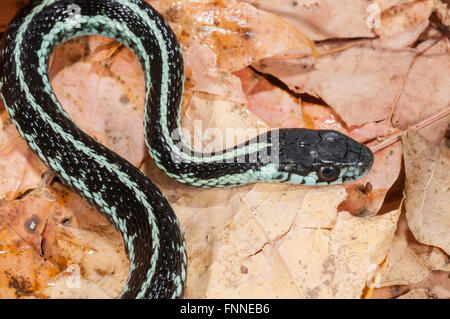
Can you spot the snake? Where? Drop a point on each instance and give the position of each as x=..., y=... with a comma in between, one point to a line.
x=152, y=234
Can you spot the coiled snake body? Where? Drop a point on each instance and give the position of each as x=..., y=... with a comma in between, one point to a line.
x=151, y=232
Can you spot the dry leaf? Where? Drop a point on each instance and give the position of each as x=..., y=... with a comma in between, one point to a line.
x=404, y=266
x=325, y=19
x=88, y=97
x=253, y=250
x=362, y=83
x=215, y=124
x=206, y=77
x=237, y=32
x=367, y=194
x=54, y=245
x=436, y=285
x=420, y=293
x=14, y=152
x=400, y=16
x=427, y=191
x=348, y=254
x=273, y=105
x=263, y=240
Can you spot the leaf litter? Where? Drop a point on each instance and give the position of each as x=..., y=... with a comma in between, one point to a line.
x=262, y=240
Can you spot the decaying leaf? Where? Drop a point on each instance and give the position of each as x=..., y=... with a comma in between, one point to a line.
x=324, y=19
x=237, y=32
x=427, y=191
x=367, y=195
x=54, y=245
x=215, y=124
x=410, y=262
x=420, y=293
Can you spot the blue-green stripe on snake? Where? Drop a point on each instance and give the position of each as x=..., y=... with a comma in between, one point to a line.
x=151, y=232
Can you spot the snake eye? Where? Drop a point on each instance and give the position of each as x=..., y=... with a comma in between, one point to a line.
x=328, y=173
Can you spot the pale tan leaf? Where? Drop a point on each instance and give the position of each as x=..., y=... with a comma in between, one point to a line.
x=214, y=123
x=420, y=293
x=400, y=16
x=100, y=257
x=206, y=77
x=404, y=266
x=323, y=19
x=15, y=153
x=306, y=248
x=98, y=103
x=427, y=191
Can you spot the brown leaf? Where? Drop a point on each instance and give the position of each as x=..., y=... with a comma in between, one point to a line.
x=237, y=32
x=409, y=262
x=103, y=107
x=44, y=236
x=361, y=83
x=324, y=19
x=206, y=77
x=258, y=241
x=9, y=9
x=435, y=285
x=14, y=152
x=273, y=105
x=28, y=217
x=401, y=16
x=404, y=266
x=427, y=191
x=367, y=195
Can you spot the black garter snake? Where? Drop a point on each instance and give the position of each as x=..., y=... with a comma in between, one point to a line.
x=151, y=232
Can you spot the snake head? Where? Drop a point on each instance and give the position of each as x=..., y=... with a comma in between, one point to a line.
x=321, y=157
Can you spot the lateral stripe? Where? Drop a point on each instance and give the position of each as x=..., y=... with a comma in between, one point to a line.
x=84, y=148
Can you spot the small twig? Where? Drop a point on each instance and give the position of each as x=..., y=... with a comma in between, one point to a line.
x=340, y=48
x=307, y=55
x=398, y=136
x=405, y=78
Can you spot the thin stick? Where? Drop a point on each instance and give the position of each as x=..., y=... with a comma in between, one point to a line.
x=320, y=54
x=405, y=78
x=398, y=136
